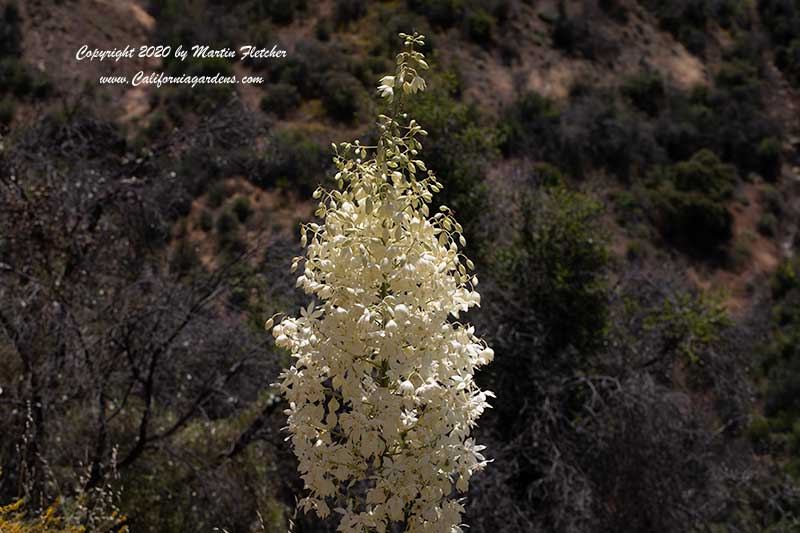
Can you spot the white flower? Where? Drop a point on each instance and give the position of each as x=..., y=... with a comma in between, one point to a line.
x=406, y=388
x=385, y=91
x=386, y=87
x=386, y=276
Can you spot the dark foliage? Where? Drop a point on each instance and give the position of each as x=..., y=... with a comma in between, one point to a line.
x=280, y=99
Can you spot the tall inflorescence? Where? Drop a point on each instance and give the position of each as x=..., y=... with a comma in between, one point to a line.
x=381, y=393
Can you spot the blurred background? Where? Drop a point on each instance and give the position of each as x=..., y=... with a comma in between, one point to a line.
x=628, y=176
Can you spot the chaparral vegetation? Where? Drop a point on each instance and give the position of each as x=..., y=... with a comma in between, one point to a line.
x=621, y=175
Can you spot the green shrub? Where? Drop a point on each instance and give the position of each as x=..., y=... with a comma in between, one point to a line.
x=548, y=175
x=692, y=220
x=615, y=10
x=7, y=108
x=706, y=174
x=157, y=126
x=528, y=125
x=184, y=258
x=226, y=222
x=239, y=297
x=323, y=29
x=772, y=200
x=231, y=243
x=459, y=148
x=242, y=209
x=558, y=265
x=565, y=31
x=311, y=67
x=685, y=20
x=217, y=193
x=203, y=98
x=769, y=156
x=691, y=322
x=341, y=96
x=576, y=35
x=280, y=99
x=781, y=18
x=737, y=76
x=10, y=34
x=767, y=225
x=788, y=60
x=440, y=13
x=282, y=11
x=480, y=26
x=785, y=279
x=758, y=432
x=345, y=11
x=292, y=159
x=206, y=220
x=783, y=393
x=595, y=132
x=738, y=255
x=646, y=92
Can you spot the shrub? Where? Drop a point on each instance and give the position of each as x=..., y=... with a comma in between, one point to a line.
x=291, y=159
x=203, y=98
x=769, y=157
x=692, y=323
x=528, y=125
x=565, y=31
x=480, y=26
x=217, y=193
x=706, y=174
x=458, y=148
x=578, y=35
x=342, y=96
x=646, y=92
x=231, y=243
x=7, y=108
x=184, y=258
x=242, y=209
x=767, y=225
x=788, y=60
x=226, y=222
x=636, y=251
x=558, y=267
x=392, y=22
x=323, y=29
x=781, y=18
x=440, y=13
x=206, y=220
x=785, y=279
x=595, y=132
x=345, y=11
x=282, y=11
x=738, y=77
x=548, y=175
x=280, y=99
x=685, y=19
x=692, y=220
x=727, y=120
x=772, y=200
x=10, y=34
x=310, y=67
x=615, y=10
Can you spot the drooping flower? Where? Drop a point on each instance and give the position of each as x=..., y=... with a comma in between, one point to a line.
x=381, y=393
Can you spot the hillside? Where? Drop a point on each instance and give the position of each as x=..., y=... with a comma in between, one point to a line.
x=627, y=173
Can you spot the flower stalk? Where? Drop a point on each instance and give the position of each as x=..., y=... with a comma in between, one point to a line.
x=381, y=392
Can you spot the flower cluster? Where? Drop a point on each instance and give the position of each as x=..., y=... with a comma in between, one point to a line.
x=381, y=393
